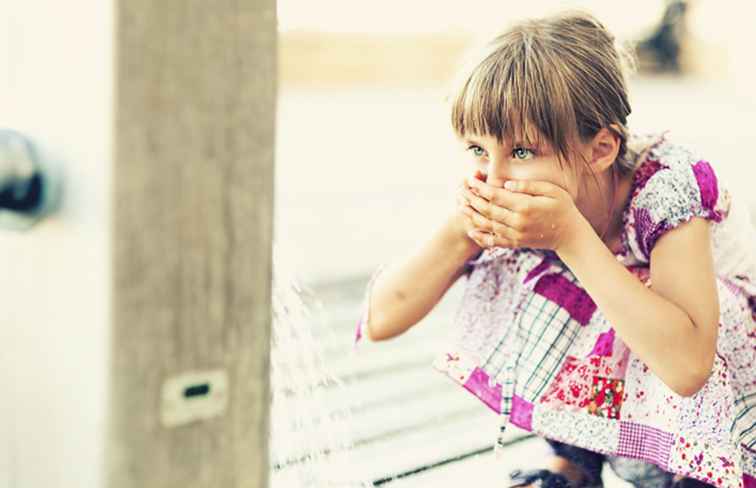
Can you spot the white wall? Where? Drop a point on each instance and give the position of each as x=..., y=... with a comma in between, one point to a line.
x=55, y=86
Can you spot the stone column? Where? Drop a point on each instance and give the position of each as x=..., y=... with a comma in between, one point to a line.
x=195, y=88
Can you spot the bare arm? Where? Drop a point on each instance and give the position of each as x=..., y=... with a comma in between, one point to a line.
x=404, y=293
x=672, y=327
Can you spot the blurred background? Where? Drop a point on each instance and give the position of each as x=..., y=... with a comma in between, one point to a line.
x=366, y=161
x=366, y=169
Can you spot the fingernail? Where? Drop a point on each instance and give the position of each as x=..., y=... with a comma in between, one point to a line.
x=510, y=185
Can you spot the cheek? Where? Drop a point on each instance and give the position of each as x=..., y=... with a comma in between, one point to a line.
x=572, y=184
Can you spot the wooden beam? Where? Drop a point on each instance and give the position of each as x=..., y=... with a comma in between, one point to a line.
x=192, y=227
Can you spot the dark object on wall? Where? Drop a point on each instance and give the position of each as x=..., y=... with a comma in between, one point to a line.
x=662, y=48
x=30, y=185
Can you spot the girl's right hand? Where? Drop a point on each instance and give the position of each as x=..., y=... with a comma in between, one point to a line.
x=465, y=223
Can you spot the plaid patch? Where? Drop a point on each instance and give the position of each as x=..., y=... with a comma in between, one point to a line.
x=744, y=424
x=643, y=442
x=545, y=332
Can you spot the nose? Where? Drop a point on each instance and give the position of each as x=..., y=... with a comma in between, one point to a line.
x=496, y=173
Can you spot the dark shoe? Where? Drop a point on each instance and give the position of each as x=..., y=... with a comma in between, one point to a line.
x=590, y=463
x=542, y=478
x=690, y=483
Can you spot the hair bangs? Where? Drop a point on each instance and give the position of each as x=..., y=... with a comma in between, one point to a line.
x=481, y=105
x=503, y=97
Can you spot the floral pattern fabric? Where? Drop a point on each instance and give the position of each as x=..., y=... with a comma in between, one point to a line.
x=531, y=344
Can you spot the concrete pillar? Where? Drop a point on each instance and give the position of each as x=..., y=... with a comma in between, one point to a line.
x=136, y=321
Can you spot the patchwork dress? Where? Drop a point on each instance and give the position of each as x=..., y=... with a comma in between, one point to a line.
x=531, y=344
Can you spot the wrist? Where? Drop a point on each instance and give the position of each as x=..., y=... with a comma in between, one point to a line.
x=574, y=236
x=459, y=240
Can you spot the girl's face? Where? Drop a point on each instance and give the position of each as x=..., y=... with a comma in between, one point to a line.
x=511, y=160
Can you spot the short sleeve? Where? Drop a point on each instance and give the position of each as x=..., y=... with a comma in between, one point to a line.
x=681, y=188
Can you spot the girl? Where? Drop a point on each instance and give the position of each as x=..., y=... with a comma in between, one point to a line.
x=610, y=304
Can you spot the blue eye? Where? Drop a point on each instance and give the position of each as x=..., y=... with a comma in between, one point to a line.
x=477, y=151
x=523, y=153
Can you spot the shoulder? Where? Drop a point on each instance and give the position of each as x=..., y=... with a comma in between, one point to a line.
x=672, y=184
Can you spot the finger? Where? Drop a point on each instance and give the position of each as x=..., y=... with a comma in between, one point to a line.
x=494, y=212
x=480, y=205
x=483, y=239
x=506, y=232
x=487, y=226
x=467, y=212
x=499, y=196
x=461, y=200
x=488, y=240
x=463, y=197
x=532, y=187
x=467, y=194
x=462, y=188
x=468, y=222
x=479, y=221
x=480, y=238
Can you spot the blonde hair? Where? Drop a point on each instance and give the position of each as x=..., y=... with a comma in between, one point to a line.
x=564, y=76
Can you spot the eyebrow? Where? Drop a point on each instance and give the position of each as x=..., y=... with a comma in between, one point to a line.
x=515, y=144
x=468, y=140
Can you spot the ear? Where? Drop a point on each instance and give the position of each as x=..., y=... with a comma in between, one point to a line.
x=604, y=149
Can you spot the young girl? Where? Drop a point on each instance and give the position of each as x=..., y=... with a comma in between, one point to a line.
x=610, y=304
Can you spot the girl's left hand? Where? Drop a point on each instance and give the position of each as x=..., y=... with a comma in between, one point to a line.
x=534, y=214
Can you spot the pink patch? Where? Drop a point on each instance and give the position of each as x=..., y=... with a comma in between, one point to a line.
x=621, y=369
x=478, y=385
x=569, y=296
x=522, y=413
x=538, y=269
x=644, y=172
x=604, y=345
x=749, y=481
x=644, y=230
x=572, y=386
x=707, y=184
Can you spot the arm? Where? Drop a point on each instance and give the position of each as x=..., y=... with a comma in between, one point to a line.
x=404, y=293
x=673, y=325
